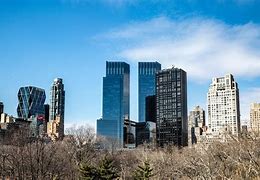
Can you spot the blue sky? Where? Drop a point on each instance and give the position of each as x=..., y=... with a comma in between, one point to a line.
x=44, y=39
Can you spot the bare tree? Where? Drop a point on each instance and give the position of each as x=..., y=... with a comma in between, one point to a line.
x=81, y=143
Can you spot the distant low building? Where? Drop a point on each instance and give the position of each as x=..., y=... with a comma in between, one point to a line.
x=13, y=129
x=255, y=118
x=244, y=129
x=54, y=129
x=145, y=133
x=129, y=134
x=37, y=126
x=5, y=118
x=197, y=123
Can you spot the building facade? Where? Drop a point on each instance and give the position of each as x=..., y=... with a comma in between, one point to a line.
x=46, y=117
x=146, y=85
x=55, y=125
x=145, y=133
x=197, y=122
x=116, y=101
x=129, y=134
x=5, y=118
x=37, y=126
x=1, y=108
x=55, y=128
x=150, y=108
x=255, y=118
x=223, y=106
x=171, y=104
x=30, y=102
x=47, y=112
x=12, y=129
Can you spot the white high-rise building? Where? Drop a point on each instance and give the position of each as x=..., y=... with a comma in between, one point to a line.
x=223, y=106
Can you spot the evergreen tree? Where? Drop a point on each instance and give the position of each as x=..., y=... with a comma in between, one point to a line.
x=88, y=172
x=143, y=172
x=106, y=170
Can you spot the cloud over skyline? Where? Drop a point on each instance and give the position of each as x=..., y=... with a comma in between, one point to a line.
x=205, y=48
x=205, y=38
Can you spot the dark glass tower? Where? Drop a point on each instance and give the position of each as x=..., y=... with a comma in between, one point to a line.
x=30, y=102
x=146, y=84
x=46, y=112
x=1, y=108
x=171, y=104
x=46, y=117
x=150, y=108
x=116, y=99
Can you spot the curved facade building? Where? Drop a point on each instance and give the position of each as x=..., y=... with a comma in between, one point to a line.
x=30, y=102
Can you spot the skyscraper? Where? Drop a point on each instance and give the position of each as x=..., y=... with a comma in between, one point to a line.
x=1, y=108
x=223, y=105
x=255, y=118
x=146, y=84
x=57, y=107
x=116, y=99
x=171, y=104
x=30, y=102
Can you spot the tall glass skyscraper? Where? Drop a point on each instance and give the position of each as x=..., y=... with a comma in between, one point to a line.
x=57, y=99
x=30, y=102
x=116, y=101
x=57, y=109
x=171, y=105
x=146, y=84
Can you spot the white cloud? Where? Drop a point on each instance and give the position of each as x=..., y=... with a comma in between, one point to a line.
x=242, y=2
x=203, y=47
x=127, y=2
x=77, y=123
x=118, y=1
x=115, y=3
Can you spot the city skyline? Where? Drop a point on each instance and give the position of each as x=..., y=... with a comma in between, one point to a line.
x=35, y=40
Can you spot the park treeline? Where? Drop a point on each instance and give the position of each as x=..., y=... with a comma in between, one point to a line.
x=77, y=157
